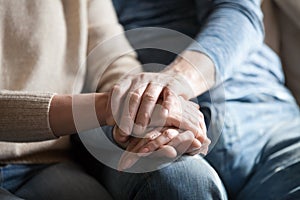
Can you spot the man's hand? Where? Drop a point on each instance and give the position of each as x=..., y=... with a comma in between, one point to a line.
x=167, y=142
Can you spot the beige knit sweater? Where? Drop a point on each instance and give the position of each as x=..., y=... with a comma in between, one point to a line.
x=42, y=45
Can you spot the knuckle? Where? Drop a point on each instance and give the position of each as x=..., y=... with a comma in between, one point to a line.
x=153, y=145
x=168, y=91
x=190, y=135
x=142, y=75
x=207, y=141
x=149, y=97
x=116, y=88
x=201, y=114
x=164, y=113
x=194, y=104
x=134, y=97
x=143, y=118
x=170, y=105
x=170, y=133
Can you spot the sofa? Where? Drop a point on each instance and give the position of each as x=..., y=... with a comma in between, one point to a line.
x=282, y=28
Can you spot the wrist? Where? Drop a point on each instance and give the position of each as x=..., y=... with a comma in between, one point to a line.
x=196, y=68
x=60, y=115
x=102, y=108
x=67, y=110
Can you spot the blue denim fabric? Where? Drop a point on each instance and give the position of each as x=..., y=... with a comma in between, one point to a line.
x=258, y=153
x=14, y=176
x=189, y=178
x=57, y=181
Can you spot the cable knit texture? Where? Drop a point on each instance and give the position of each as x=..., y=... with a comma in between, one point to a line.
x=43, y=51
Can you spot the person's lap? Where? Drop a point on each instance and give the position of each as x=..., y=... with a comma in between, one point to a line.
x=276, y=173
x=258, y=146
x=58, y=181
x=186, y=178
x=253, y=134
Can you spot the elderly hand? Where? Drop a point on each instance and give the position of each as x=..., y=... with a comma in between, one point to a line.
x=135, y=97
x=166, y=142
x=171, y=111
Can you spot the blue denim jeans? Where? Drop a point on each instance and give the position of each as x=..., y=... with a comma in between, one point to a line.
x=258, y=153
x=256, y=157
x=189, y=177
x=57, y=182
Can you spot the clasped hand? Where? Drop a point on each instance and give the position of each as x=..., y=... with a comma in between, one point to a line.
x=153, y=117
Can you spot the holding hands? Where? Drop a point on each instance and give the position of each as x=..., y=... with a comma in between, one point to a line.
x=153, y=118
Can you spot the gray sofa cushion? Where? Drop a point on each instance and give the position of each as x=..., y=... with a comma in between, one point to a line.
x=289, y=23
x=282, y=24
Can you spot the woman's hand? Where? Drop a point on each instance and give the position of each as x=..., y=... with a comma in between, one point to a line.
x=171, y=111
x=133, y=100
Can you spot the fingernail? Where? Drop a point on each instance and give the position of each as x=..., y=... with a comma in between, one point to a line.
x=154, y=135
x=144, y=152
x=122, y=131
x=195, y=149
x=171, y=133
x=138, y=129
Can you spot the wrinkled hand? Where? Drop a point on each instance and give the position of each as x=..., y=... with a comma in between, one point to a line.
x=167, y=142
x=134, y=99
x=173, y=111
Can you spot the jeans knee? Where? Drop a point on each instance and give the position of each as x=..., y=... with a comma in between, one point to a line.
x=187, y=178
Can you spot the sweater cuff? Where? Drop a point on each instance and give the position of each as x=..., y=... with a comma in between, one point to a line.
x=25, y=116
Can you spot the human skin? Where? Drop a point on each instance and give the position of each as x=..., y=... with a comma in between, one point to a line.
x=61, y=117
x=190, y=75
x=162, y=142
x=62, y=108
x=62, y=122
x=191, y=70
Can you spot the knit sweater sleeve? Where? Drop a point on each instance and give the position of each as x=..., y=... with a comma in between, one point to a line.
x=24, y=116
x=110, y=55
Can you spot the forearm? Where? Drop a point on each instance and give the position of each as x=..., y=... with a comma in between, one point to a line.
x=232, y=30
x=69, y=114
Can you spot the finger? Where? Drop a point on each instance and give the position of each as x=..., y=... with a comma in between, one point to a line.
x=127, y=160
x=194, y=148
x=186, y=122
x=119, y=137
x=165, y=151
x=189, y=118
x=190, y=122
x=149, y=99
x=191, y=114
x=161, y=140
x=182, y=142
x=205, y=146
x=202, y=137
x=130, y=108
x=132, y=143
x=117, y=98
x=142, y=142
x=197, y=106
x=130, y=157
x=194, y=117
x=162, y=111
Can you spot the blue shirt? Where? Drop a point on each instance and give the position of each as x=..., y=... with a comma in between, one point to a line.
x=230, y=32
